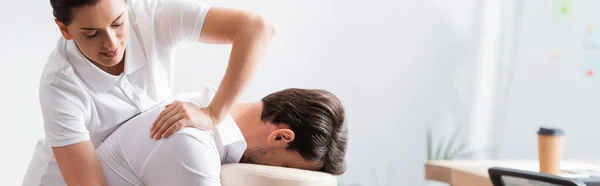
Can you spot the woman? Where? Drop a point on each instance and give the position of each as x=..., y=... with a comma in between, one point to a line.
x=115, y=60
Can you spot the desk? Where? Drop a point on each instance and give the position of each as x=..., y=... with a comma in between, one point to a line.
x=474, y=172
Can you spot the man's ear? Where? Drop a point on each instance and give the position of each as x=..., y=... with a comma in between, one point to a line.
x=63, y=30
x=281, y=137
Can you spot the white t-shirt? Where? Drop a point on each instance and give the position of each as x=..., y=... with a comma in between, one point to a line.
x=188, y=157
x=80, y=102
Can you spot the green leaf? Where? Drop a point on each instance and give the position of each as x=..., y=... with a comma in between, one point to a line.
x=459, y=150
x=451, y=143
x=439, y=148
x=467, y=155
x=429, y=141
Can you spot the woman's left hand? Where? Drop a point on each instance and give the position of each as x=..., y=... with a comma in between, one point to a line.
x=178, y=115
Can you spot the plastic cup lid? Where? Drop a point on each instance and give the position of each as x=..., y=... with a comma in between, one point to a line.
x=551, y=131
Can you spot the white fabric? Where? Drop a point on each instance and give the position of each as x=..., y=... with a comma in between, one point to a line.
x=261, y=175
x=189, y=157
x=81, y=102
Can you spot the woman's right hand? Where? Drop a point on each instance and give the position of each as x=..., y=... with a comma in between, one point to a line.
x=180, y=114
x=79, y=164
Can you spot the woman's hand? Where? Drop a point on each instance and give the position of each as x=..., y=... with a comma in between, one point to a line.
x=178, y=115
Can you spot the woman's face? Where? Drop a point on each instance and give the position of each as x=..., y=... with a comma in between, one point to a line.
x=100, y=31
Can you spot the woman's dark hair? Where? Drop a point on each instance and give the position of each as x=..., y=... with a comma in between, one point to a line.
x=63, y=9
x=317, y=118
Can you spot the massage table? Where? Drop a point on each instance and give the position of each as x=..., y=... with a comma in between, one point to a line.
x=240, y=174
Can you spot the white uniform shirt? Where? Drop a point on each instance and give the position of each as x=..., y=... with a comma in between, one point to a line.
x=80, y=102
x=188, y=157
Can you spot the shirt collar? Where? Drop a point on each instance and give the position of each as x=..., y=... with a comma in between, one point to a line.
x=96, y=78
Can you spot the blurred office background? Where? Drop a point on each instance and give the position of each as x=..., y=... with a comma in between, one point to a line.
x=493, y=70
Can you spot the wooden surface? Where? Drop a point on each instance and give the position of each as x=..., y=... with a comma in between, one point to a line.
x=474, y=172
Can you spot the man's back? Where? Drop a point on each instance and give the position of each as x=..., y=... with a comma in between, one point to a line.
x=129, y=156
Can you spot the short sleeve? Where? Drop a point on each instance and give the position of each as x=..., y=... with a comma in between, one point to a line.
x=62, y=103
x=184, y=159
x=176, y=21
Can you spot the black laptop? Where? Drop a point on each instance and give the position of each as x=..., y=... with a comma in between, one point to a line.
x=513, y=177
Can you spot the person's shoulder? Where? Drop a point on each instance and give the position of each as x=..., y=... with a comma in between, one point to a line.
x=189, y=137
x=187, y=150
x=58, y=70
x=195, y=134
x=58, y=77
x=57, y=62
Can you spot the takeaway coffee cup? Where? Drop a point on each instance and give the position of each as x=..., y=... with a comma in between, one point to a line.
x=550, y=149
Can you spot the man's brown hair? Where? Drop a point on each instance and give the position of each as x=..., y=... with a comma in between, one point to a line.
x=317, y=118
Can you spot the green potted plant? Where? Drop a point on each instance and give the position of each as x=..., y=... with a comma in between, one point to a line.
x=447, y=148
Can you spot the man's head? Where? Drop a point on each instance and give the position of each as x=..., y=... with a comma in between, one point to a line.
x=301, y=128
x=98, y=27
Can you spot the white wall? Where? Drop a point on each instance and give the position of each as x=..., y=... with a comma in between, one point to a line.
x=394, y=64
x=548, y=92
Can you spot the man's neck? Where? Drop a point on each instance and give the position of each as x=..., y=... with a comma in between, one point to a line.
x=247, y=117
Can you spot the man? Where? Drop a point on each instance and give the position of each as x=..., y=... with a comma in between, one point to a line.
x=297, y=128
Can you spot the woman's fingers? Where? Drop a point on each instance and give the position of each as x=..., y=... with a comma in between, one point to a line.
x=163, y=116
x=162, y=113
x=172, y=129
x=168, y=123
